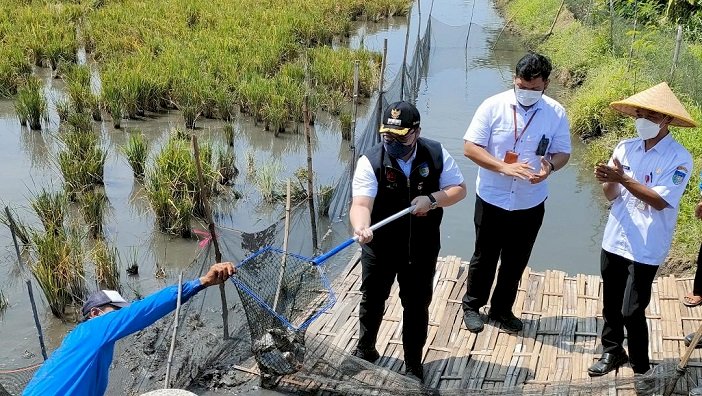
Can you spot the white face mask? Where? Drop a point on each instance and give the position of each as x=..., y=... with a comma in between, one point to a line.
x=646, y=129
x=527, y=97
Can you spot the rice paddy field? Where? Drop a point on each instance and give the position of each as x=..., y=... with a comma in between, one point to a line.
x=100, y=97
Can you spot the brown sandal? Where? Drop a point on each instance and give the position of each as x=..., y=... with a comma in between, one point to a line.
x=691, y=300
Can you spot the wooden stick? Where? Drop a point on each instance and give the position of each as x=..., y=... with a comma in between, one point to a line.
x=404, y=57
x=381, y=81
x=558, y=13
x=286, y=234
x=37, y=324
x=680, y=370
x=211, y=227
x=310, y=175
x=167, y=383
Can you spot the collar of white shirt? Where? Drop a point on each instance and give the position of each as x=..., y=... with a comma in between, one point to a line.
x=660, y=147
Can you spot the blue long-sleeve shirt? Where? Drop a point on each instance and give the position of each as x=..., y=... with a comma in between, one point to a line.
x=81, y=365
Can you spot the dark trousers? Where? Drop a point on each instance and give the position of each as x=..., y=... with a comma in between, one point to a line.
x=697, y=285
x=626, y=292
x=502, y=235
x=415, y=278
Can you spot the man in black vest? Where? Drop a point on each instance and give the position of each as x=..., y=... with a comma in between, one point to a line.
x=403, y=170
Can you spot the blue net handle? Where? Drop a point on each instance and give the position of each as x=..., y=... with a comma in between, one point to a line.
x=324, y=257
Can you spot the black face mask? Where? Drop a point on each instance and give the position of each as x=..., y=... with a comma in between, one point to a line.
x=397, y=150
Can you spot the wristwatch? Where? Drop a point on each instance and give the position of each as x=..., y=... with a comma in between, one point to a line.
x=434, y=204
x=553, y=167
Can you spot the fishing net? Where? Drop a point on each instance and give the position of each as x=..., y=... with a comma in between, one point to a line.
x=12, y=382
x=279, y=309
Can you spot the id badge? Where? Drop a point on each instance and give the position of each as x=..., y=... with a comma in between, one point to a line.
x=511, y=157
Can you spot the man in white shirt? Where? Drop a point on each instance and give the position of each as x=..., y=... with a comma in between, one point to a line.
x=403, y=170
x=518, y=138
x=644, y=180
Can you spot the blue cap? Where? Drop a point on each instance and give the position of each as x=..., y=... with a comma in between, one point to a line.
x=103, y=297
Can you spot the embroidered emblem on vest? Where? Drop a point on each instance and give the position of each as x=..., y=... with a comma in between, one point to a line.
x=424, y=170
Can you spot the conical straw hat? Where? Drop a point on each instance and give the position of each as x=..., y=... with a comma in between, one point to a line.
x=658, y=98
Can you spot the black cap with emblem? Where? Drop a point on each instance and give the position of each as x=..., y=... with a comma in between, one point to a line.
x=399, y=118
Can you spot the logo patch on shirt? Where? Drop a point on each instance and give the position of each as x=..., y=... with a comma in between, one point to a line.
x=424, y=170
x=679, y=175
x=390, y=175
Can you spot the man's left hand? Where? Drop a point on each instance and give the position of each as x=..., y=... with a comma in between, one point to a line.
x=423, y=205
x=544, y=172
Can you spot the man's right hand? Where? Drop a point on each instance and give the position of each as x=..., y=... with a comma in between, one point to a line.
x=364, y=234
x=217, y=274
x=698, y=210
x=521, y=170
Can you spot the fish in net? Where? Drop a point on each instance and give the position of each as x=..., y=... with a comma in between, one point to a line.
x=283, y=294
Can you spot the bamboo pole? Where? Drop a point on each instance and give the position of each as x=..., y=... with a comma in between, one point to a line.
x=682, y=365
x=380, y=88
x=286, y=234
x=167, y=383
x=354, y=115
x=558, y=13
x=37, y=324
x=310, y=175
x=403, y=70
x=611, y=25
x=211, y=227
x=676, y=54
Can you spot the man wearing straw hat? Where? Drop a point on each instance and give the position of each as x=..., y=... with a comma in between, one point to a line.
x=81, y=365
x=644, y=180
x=403, y=170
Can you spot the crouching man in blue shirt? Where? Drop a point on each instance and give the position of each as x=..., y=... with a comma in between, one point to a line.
x=80, y=366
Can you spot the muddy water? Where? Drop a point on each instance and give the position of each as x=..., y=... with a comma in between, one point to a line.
x=453, y=86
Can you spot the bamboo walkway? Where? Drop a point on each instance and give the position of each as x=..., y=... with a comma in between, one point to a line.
x=562, y=319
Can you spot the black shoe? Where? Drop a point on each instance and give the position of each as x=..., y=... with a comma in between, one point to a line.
x=510, y=323
x=415, y=372
x=369, y=355
x=644, y=385
x=474, y=323
x=688, y=341
x=607, y=363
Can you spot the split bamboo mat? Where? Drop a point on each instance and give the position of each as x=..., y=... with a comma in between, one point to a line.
x=562, y=317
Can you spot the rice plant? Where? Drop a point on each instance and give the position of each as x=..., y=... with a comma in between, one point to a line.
x=345, y=120
x=82, y=162
x=226, y=165
x=31, y=104
x=267, y=180
x=95, y=103
x=92, y=207
x=21, y=230
x=114, y=103
x=105, y=259
x=136, y=150
x=63, y=108
x=78, y=87
x=324, y=198
x=57, y=265
x=51, y=209
x=80, y=122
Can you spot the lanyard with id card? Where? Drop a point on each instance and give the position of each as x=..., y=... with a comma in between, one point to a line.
x=511, y=156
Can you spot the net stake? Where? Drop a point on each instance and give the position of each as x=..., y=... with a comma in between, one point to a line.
x=167, y=384
x=211, y=227
x=310, y=175
x=12, y=226
x=285, y=247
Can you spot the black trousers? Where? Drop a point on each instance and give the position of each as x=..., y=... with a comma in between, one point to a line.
x=697, y=284
x=626, y=292
x=415, y=278
x=502, y=235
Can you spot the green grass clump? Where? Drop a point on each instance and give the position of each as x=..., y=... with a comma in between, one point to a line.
x=267, y=180
x=57, y=265
x=92, y=207
x=345, y=122
x=105, y=259
x=226, y=165
x=51, y=209
x=31, y=104
x=14, y=69
x=136, y=150
x=82, y=162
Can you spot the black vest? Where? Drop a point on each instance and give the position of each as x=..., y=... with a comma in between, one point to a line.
x=411, y=234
